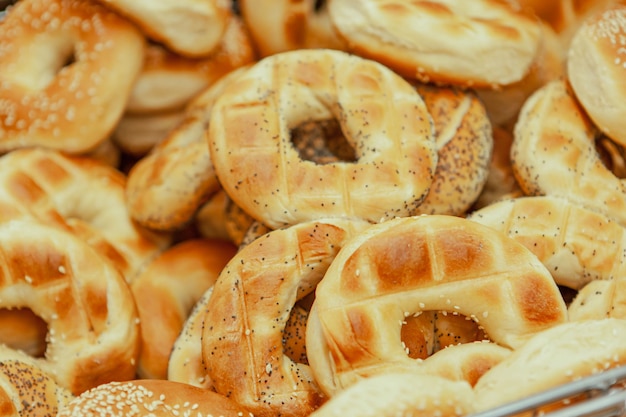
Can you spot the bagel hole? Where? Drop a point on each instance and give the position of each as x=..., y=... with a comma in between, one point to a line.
x=319, y=4
x=612, y=155
x=431, y=331
x=322, y=142
x=294, y=335
x=22, y=329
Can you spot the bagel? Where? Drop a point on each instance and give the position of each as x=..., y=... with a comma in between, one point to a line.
x=408, y=265
x=25, y=390
x=595, y=69
x=554, y=153
x=191, y=28
x=483, y=44
x=80, y=195
x=151, y=397
x=169, y=81
x=281, y=26
x=166, y=187
x=561, y=354
x=93, y=326
x=166, y=290
x=210, y=219
x=384, y=119
x=47, y=102
x=464, y=141
x=186, y=364
x=394, y=395
x=247, y=312
x=577, y=245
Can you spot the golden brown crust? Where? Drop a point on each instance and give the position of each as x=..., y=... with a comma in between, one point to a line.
x=167, y=186
x=577, y=245
x=464, y=142
x=165, y=292
x=191, y=28
x=93, y=334
x=151, y=397
x=81, y=195
x=246, y=316
x=49, y=103
x=553, y=153
x=285, y=25
x=408, y=265
x=595, y=68
x=489, y=43
x=381, y=115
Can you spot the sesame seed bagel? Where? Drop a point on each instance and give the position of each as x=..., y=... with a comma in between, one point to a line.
x=595, y=68
x=151, y=397
x=477, y=43
x=382, y=116
x=248, y=310
x=83, y=196
x=93, y=326
x=45, y=100
x=410, y=265
x=554, y=153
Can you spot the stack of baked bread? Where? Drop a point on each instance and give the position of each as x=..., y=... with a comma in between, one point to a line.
x=279, y=208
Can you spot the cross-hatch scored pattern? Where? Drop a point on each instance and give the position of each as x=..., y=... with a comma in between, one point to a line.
x=553, y=154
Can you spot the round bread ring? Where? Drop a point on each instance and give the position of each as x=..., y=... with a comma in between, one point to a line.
x=573, y=350
x=81, y=195
x=166, y=187
x=169, y=81
x=291, y=25
x=498, y=45
x=464, y=141
x=595, y=69
x=411, y=264
x=384, y=119
x=93, y=335
x=192, y=28
x=553, y=153
x=166, y=290
x=251, y=302
x=394, y=394
x=48, y=103
x=151, y=397
x=186, y=364
x=26, y=390
x=577, y=245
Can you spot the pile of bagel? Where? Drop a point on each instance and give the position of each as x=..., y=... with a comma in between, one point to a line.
x=309, y=208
